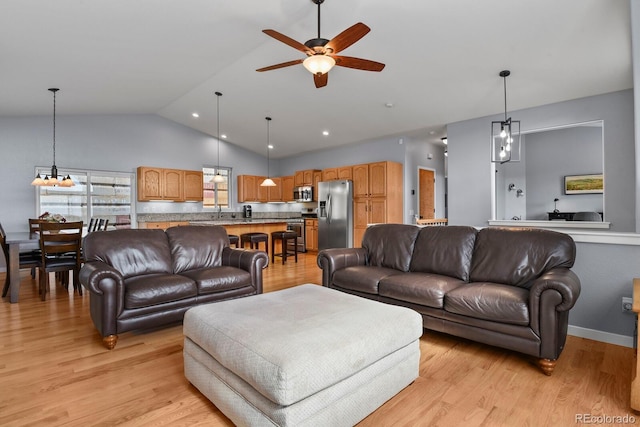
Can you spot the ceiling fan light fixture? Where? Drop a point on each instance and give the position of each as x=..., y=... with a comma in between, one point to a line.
x=319, y=64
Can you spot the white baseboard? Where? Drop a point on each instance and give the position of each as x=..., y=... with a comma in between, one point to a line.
x=608, y=337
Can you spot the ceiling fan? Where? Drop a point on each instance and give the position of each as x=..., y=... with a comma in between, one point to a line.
x=321, y=53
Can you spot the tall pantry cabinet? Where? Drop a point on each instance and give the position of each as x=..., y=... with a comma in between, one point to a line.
x=377, y=196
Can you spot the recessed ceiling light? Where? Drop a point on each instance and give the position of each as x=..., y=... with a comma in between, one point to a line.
x=223, y=136
x=270, y=147
x=325, y=132
x=196, y=115
x=389, y=104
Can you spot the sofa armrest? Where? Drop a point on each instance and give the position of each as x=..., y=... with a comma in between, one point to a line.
x=93, y=277
x=332, y=260
x=106, y=286
x=556, y=290
x=251, y=261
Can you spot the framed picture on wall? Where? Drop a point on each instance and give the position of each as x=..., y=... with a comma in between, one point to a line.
x=584, y=184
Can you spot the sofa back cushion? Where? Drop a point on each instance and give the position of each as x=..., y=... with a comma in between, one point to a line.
x=445, y=250
x=132, y=252
x=390, y=245
x=516, y=257
x=194, y=247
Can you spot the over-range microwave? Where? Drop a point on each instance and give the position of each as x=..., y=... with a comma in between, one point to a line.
x=303, y=194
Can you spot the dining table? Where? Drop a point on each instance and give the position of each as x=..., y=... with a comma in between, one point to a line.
x=16, y=240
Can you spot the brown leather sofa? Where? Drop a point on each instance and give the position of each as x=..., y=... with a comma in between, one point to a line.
x=510, y=288
x=141, y=278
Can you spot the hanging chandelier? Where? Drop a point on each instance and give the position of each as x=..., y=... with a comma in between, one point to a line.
x=505, y=134
x=218, y=178
x=52, y=180
x=268, y=182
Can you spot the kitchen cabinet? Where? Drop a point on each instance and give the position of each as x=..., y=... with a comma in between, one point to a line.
x=305, y=177
x=332, y=174
x=247, y=188
x=317, y=178
x=161, y=225
x=160, y=184
x=275, y=194
x=287, y=188
x=262, y=192
x=311, y=234
x=378, y=190
x=193, y=186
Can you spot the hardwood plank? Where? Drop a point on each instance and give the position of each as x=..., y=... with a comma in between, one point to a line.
x=55, y=371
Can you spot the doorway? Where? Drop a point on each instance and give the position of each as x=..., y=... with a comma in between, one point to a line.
x=426, y=193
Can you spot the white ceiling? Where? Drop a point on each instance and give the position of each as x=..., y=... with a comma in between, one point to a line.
x=442, y=58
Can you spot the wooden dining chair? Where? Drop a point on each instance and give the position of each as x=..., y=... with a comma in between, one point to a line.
x=27, y=260
x=97, y=224
x=60, y=244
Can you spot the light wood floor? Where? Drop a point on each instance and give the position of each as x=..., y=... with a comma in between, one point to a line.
x=55, y=371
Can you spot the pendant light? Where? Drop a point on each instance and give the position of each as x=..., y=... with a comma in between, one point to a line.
x=53, y=179
x=268, y=182
x=505, y=134
x=218, y=178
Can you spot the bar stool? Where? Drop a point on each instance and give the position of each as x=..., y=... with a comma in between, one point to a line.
x=284, y=237
x=255, y=239
x=234, y=240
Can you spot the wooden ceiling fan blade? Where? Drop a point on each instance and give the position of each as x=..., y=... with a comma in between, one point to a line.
x=358, y=63
x=321, y=79
x=281, y=65
x=288, y=41
x=348, y=37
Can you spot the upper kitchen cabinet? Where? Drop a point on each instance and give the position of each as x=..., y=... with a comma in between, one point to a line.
x=247, y=188
x=332, y=174
x=375, y=179
x=287, y=188
x=275, y=194
x=317, y=178
x=305, y=177
x=160, y=184
x=193, y=186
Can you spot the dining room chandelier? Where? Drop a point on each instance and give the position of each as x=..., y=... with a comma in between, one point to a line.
x=268, y=182
x=52, y=180
x=505, y=134
x=218, y=178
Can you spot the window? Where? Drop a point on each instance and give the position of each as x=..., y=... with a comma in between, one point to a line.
x=216, y=195
x=95, y=194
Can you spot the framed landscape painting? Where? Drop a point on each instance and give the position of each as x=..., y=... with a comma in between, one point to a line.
x=584, y=184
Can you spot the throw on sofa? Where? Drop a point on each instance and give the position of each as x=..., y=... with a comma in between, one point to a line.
x=145, y=278
x=510, y=288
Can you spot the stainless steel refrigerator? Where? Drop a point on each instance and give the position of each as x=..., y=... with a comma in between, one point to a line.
x=335, y=214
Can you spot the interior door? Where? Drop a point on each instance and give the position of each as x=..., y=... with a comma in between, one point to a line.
x=426, y=191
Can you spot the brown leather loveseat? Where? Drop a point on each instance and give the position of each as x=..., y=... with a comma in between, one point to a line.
x=506, y=287
x=141, y=278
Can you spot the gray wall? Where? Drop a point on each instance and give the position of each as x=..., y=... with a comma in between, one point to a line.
x=470, y=168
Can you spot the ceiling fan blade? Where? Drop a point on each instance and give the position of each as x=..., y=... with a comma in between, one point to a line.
x=321, y=79
x=281, y=65
x=348, y=37
x=357, y=63
x=288, y=41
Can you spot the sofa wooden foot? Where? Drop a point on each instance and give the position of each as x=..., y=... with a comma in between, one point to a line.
x=110, y=341
x=547, y=366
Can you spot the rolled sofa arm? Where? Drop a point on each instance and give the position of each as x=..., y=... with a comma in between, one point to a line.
x=93, y=275
x=561, y=280
x=332, y=260
x=251, y=261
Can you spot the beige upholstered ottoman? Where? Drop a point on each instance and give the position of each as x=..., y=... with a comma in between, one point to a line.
x=304, y=356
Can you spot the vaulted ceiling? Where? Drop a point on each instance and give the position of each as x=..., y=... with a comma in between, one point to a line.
x=442, y=58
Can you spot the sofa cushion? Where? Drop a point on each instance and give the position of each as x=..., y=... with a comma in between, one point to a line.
x=194, y=247
x=153, y=289
x=390, y=245
x=518, y=256
x=218, y=279
x=444, y=250
x=418, y=288
x=362, y=278
x=490, y=301
x=132, y=252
